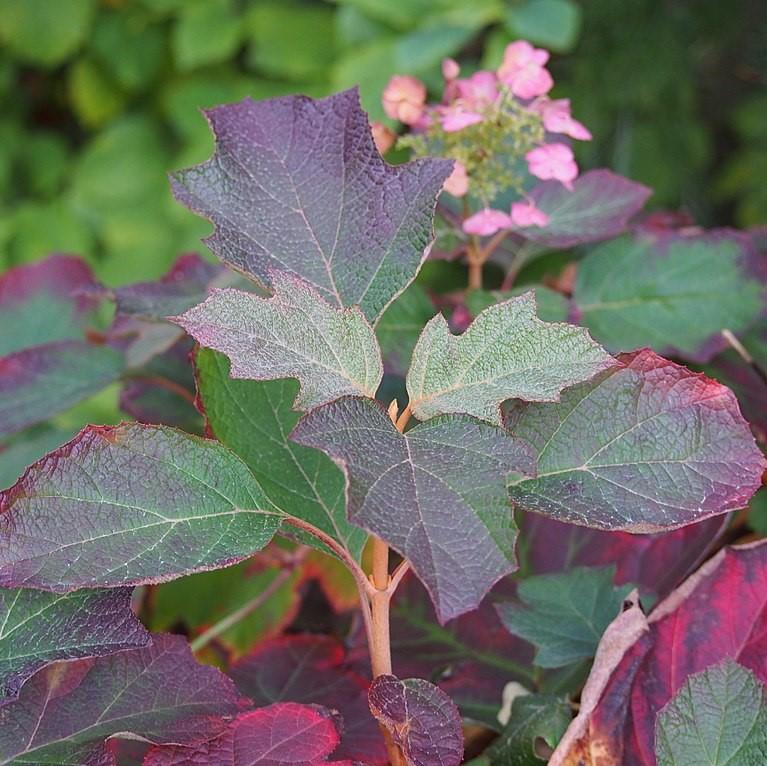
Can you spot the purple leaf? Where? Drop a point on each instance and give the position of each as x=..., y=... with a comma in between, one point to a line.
x=39, y=628
x=421, y=718
x=312, y=669
x=38, y=382
x=599, y=207
x=185, y=285
x=130, y=504
x=436, y=494
x=280, y=735
x=45, y=302
x=297, y=185
x=646, y=446
x=296, y=334
x=68, y=711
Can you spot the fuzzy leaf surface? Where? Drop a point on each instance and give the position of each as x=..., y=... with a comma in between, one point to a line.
x=296, y=334
x=39, y=382
x=297, y=186
x=564, y=615
x=672, y=293
x=130, y=504
x=436, y=494
x=551, y=306
x=66, y=713
x=280, y=735
x=645, y=446
x=312, y=669
x=719, y=613
x=37, y=628
x=507, y=352
x=254, y=419
x=599, y=207
x=421, y=719
x=718, y=718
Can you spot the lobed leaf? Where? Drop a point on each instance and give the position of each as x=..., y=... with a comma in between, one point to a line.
x=37, y=628
x=280, y=735
x=645, y=446
x=295, y=334
x=720, y=613
x=68, y=711
x=312, y=669
x=421, y=719
x=254, y=420
x=718, y=718
x=297, y=186
x=564, y=615
x=436, y=494
x=130, y=504
x=39, y=382
x=551, y=306
x=599, y=207
x=674, y=293
x=506, y=353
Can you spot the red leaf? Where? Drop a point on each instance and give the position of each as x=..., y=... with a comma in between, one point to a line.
x=279, y=735
x=718, y=613
x=421, y=718
x=313, y=669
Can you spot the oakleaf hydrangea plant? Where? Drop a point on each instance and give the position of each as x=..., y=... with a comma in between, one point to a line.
x=415, y=494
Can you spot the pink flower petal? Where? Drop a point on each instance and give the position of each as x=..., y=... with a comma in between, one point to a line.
x=527, y=214
x=487, y=222
x=455, y=118
x=404, y=98
x=457, y=182
x=450, y=69
x=553, y=161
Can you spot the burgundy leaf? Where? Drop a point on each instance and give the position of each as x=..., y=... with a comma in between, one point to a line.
x=297, y=185
x=38, y=382
x=437, y=494
x=646, y=446
x=719, y=613
x=657, y=563
x=421, y=719
x=185, y=285
x=38, y=628
x=68, y=711
x=313, y=669
x=286, y=734
x=599, y=207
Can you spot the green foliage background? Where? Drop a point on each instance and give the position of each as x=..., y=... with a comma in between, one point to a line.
x=100, y=99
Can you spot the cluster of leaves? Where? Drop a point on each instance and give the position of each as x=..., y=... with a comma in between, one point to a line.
x=317, y=347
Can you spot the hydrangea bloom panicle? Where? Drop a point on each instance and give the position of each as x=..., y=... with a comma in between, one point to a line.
x=527, y=214
x=553, y=161
x=404, y=98
x=487, y=222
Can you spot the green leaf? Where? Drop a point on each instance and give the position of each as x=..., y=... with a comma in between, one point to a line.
x=645, y=446
x=536, y=719
x=44, y=32
x=130, y=504
x=296, y=334
x=565, y=614
x=436, y=494
x=37, y=628
x=291, y=40
x=554, y=24
x=254, y=419
x=94, y=97
x=718, y=718
x=507, y=353
x=675, y=294
x=206, y=32
x=552, y=306
x=26, y=447
x=401, y=324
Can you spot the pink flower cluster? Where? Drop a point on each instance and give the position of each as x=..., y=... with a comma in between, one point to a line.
x=523, y=78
